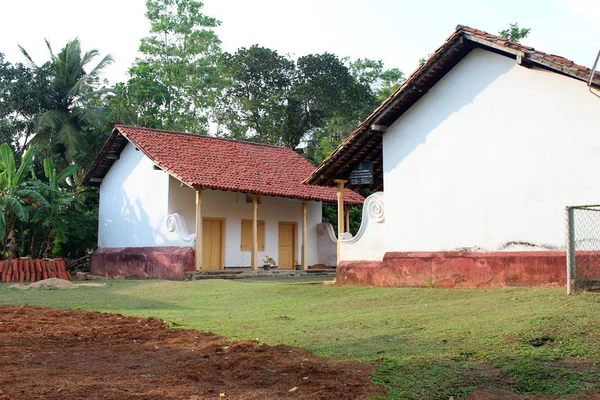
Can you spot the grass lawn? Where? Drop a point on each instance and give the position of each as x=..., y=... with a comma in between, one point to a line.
x=431, y=343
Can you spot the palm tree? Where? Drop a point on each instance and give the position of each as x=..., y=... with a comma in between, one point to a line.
x=14, y=191
x=62, y=129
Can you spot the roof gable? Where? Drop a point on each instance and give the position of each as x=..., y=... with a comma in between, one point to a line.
x=205, y=162
x=365, y=144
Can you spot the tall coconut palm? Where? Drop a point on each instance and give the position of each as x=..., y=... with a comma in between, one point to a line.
x=63, y=128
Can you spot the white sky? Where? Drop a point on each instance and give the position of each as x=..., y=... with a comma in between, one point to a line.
x=397, y=32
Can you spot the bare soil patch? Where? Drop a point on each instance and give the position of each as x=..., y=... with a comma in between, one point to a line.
x=71, y=354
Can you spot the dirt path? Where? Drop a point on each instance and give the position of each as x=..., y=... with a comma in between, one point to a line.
x=70, y=354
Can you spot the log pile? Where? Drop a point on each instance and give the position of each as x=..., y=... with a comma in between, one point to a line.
x=25, y=270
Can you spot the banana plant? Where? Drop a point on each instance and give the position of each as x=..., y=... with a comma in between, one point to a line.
x=49, y=216
x=14, y=193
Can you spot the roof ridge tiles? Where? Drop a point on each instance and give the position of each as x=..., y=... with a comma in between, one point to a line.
x=199, y=135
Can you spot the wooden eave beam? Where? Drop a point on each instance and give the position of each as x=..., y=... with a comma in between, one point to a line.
x=379, y=128
x=562, y=69
x=495, y=46
x=342, y=165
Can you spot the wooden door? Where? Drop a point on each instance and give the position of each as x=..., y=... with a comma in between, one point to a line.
x=212, y=244
x=287, y=245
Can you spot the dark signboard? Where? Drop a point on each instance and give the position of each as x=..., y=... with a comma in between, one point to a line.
x=361, y=173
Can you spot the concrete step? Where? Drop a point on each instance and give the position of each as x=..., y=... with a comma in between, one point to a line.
x=249, y=274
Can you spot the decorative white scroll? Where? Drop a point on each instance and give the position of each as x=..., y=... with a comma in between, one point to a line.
x=369, y=242
x=177, y=225
x=373, y=211
x=325, y=228
x=375, y=207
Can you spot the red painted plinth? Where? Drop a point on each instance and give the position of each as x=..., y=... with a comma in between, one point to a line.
x=456, y=269
x=143, y=262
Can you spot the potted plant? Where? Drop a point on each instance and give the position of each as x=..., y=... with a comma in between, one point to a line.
x=268, y=263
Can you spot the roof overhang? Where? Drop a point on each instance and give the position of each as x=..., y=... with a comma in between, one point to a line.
x=110, y=152
x=365, y=143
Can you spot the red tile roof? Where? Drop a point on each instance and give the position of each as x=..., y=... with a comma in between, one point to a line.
x=557, y=63
x=365, y=144
x=214, y=163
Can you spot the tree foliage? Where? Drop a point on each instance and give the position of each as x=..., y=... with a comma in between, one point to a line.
x=50, y=216
x=254, y=103
x=514, y=33
x=313, y=101
x=63, y=126
x=382, y=82
x=14, y=191
x=24, y=93
x=59, y=107
x=175, y=83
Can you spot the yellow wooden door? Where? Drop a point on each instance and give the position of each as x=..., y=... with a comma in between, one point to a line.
x=286, y=245
x=212, y=250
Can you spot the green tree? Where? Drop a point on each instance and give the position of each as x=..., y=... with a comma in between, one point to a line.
x=70, y=118
x=24, y=93
x=352, y=92
x=14, y=192
x=271, y=99
x=175, y=83
x=254, y=103
x=372, y=73
x=514, y=33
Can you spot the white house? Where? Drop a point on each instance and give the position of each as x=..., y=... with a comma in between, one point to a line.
x=476, y=156
x=171, y=201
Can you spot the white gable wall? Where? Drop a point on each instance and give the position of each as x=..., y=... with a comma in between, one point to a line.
x=492, y=154
x=133, y=202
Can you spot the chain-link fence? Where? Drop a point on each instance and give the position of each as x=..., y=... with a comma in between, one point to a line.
x=583, y=248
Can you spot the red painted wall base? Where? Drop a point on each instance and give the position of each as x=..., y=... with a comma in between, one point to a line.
x=143, y=262
x=456, y=269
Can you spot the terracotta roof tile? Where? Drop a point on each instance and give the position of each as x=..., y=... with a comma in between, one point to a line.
x=530, y=51
x=222, y=164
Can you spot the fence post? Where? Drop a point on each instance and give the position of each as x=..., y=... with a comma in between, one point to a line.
x=570, y=250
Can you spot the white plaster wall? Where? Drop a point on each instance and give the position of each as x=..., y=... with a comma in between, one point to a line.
x=326, y=244
x=182, y=200
x=492, y=154
x=133, y=203
x=233, y=208
x=369, y=244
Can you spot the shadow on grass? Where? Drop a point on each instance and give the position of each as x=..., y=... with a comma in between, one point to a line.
x=425, y=379
x=442, y=379
x=558, y=377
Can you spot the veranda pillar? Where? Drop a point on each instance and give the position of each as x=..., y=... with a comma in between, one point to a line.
x=304, y=238
x=347, y=214
x=340, y=213
x=254, y=261
x=198, y=249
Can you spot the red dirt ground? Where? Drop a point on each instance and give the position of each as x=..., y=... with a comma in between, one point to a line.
x=71, y=354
